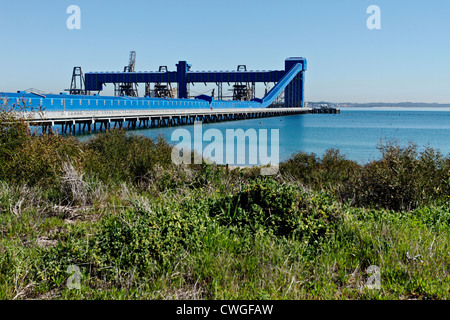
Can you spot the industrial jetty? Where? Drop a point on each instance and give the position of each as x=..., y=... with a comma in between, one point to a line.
x=83, y=109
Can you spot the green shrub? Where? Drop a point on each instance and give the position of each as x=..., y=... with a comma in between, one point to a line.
x=124, y=157
x=282, y=209
x=39, y=160
x=137, y=240
x=301, y=167
x=334, y=170
x=325, y=173
x=207, y=174
x=402, y=180
x=434, y=217
x=12, y=136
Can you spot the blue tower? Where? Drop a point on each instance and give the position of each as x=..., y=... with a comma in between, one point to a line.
x=182, y=70
x=294, y=92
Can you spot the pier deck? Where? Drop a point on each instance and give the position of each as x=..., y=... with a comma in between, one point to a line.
x=72, y=122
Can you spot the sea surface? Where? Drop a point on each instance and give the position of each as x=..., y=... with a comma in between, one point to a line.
x=356, y=132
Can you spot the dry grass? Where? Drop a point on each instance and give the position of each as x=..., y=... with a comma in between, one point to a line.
x=73, y=187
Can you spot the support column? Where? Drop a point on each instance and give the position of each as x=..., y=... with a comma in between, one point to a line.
x=182, y=69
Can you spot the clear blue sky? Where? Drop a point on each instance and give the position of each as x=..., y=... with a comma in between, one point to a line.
x=407, y=60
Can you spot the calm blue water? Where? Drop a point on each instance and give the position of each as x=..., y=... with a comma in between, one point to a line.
x=356, y=132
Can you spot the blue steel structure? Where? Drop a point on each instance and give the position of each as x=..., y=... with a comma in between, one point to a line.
x=291, y=80
x=183, y=76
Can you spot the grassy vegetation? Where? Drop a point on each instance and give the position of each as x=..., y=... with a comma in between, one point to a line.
x=140, y=227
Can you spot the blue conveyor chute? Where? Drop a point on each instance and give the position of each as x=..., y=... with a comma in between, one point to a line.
x=270, y=97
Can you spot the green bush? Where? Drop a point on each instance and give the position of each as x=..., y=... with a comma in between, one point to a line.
x=124, y=157
x=27, y=158
x=434, y=217
x=335, y=170
x=302, y=167
x=403, y=179
x=207, y=174
x=328, y=172
x=39, y=160
x=137, y=240
x=282, y=209
x=12, y=136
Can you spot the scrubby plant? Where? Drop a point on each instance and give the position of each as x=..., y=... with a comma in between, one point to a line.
x=120, y=156
x=29, y=158
x=40, y=160
x=301, y=167
x=403, y=179
x=139, y=240
x=283, y=210
x=327, y=172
